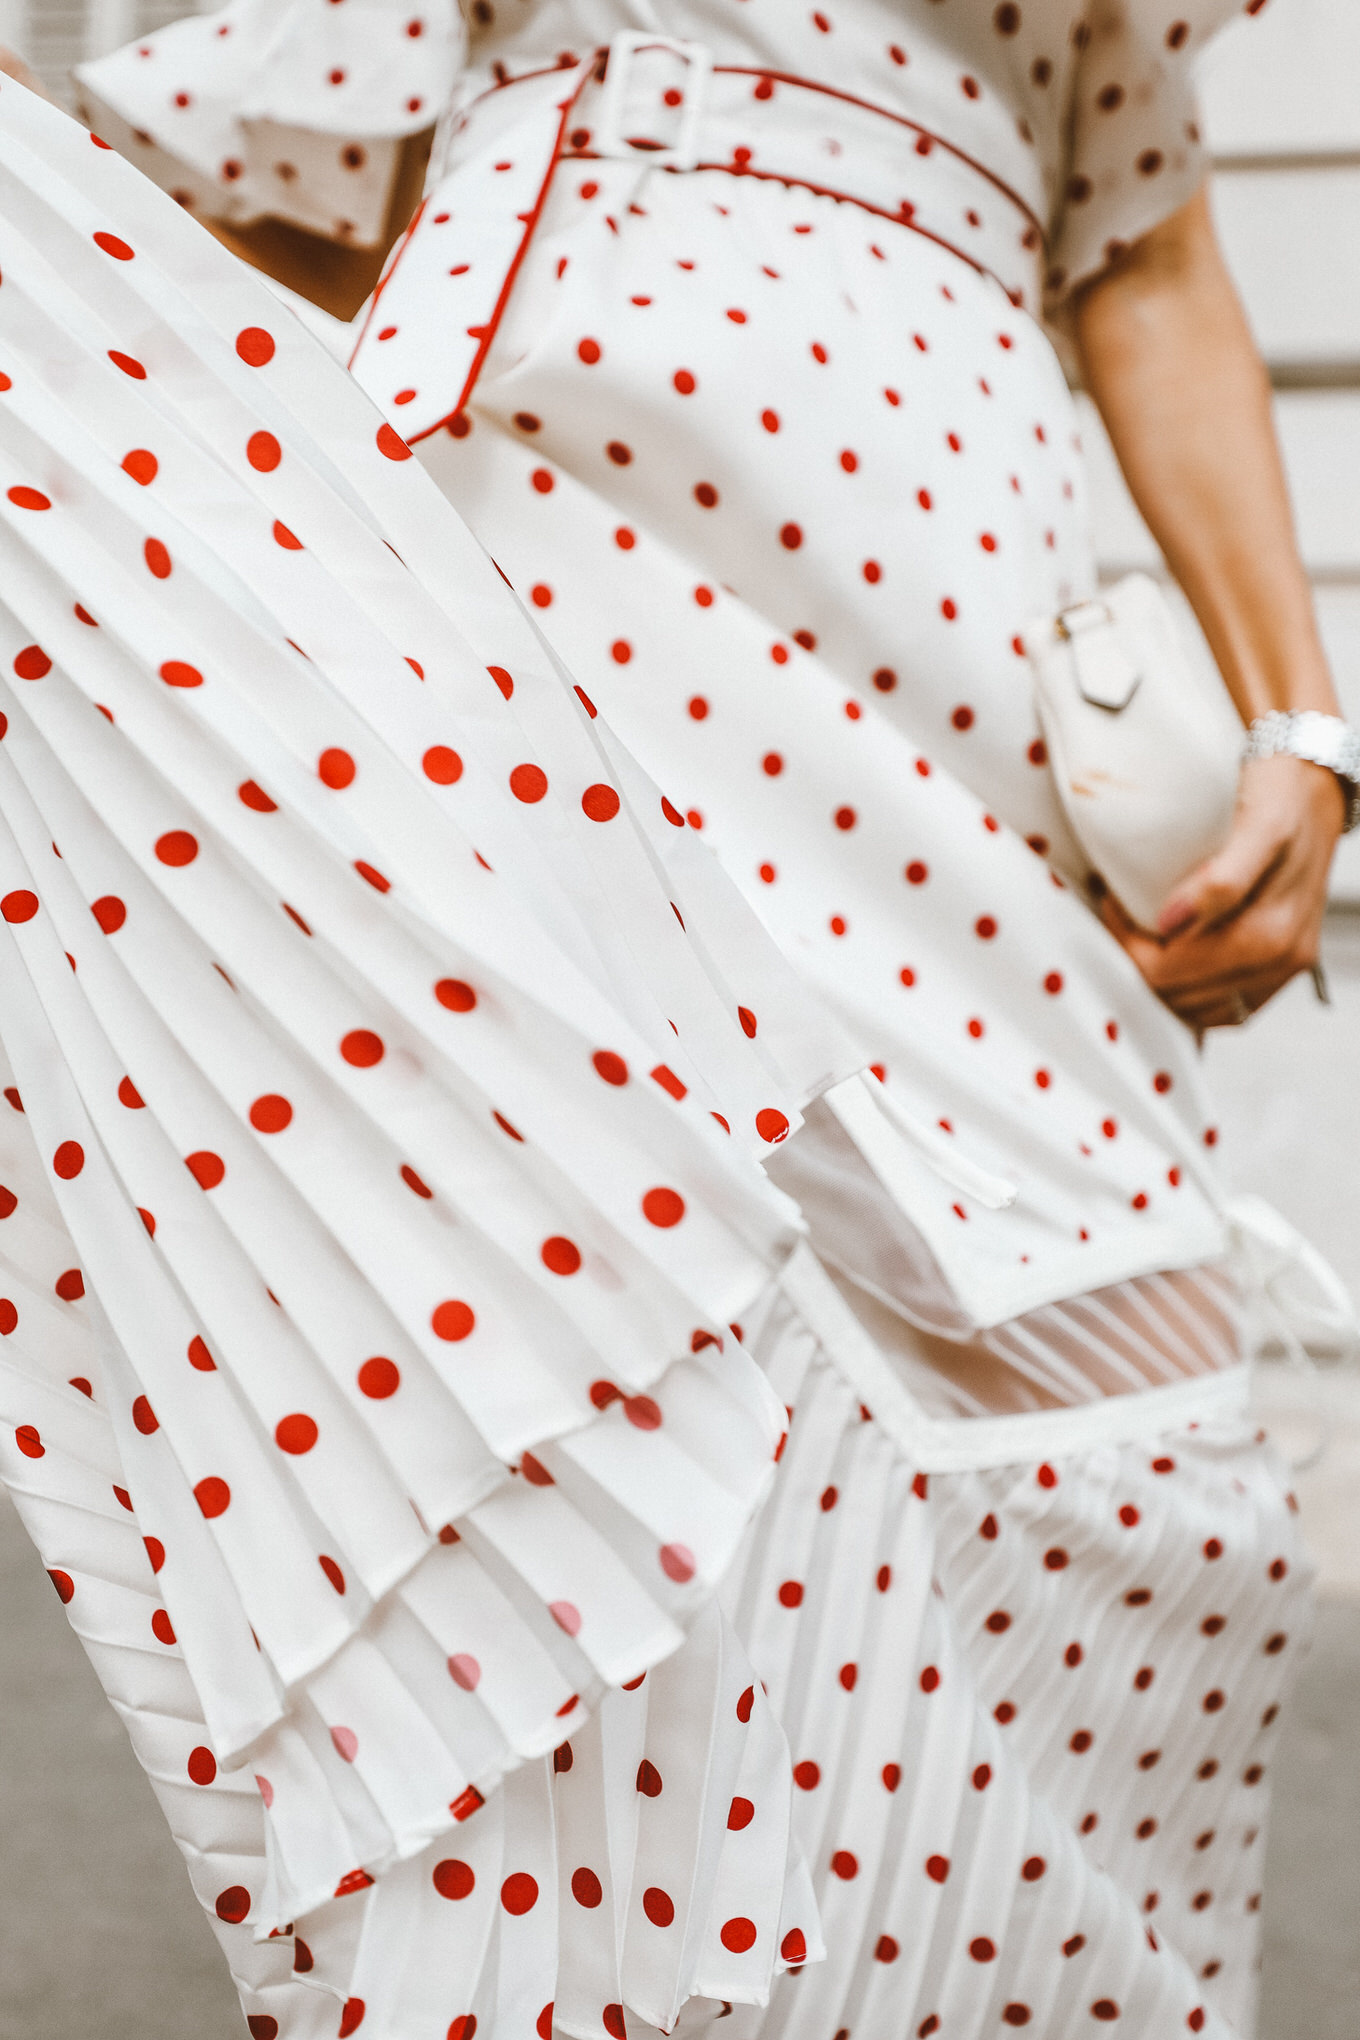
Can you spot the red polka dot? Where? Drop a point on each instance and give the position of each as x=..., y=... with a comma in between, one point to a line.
x=658, y=1905
x=391, y=444
x=157, y=557
x=29, y=1440
x=155, y=1551
x=212, y=1495
x=295, y=1434
x=611, y=1067
x=379, y=1377
x=679, y=1564
x=352, y=2017
x=453, y=1879
x=362, y=1048
x=452, y=1320
x=255, y=797
x=528, y=783
x=845, y=1865
x=69, y=1159
x=561, y=1255
x=600, y=803
x=793, y=1947
x=263, y=452
x=233, y=1904
x=206, y=1168
x=142, y=465
x=255, y=346
x=176, y=673
x=456, y=995
x=442, y=765
x=589, y=351
x=202, y=1765
x=982, y=1950
x=807, y=1776
x=144, y=1417
x=70, y=1285
x=270, y=1113
x=740, y=1814
x=662, y=1207
x=176, y=847
x=200, y=1358
x=66, y=1587
x=28, y=499
x=32, y=663
x=586, y=1888
x=18, y=907
x=737, y=1935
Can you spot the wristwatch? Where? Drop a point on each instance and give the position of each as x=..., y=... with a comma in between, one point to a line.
x=1319, y=739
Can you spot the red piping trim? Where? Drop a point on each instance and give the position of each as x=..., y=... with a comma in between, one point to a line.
x=531, y=220
x=384, y=280
x=559, y=155
x=900, y=120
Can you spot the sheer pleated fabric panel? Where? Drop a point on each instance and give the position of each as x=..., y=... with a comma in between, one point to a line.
x=1030, y=1709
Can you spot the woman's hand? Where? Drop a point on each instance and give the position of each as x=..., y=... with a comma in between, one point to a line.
x=1248, y=920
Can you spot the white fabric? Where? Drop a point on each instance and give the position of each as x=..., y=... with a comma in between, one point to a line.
x=516, y=1772
x=1088, y=114
x=392, y=1254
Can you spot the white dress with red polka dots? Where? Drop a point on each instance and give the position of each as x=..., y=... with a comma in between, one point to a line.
x=975, y=1736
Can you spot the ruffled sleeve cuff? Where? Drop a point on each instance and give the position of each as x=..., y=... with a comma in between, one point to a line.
x=1136, y=150
x=286, y=109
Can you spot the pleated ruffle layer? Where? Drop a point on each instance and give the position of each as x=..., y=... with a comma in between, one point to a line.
x=398, y=1065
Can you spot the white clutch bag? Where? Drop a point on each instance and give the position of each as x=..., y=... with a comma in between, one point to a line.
x=1144, y=742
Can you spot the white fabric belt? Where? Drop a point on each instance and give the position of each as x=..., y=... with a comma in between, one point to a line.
x=956, y=1444
x=663, y=104
x=665, y=99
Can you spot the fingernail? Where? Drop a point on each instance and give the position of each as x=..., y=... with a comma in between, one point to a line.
x=1173, y=918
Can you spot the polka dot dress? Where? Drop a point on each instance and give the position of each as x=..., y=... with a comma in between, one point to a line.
x=444, y=1713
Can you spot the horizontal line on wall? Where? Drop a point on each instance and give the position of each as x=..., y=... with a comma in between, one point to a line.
x=1254, y=161
x=1336, y=374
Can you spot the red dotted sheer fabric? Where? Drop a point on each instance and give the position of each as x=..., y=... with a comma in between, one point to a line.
x=546, y=1600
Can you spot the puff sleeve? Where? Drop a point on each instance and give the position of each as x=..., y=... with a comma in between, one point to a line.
x=1135, y=151
x=295, y=111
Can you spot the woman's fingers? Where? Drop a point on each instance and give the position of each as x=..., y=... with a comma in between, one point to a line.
x=1247, y=921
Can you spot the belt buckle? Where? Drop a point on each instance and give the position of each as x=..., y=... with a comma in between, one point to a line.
x=609, y=139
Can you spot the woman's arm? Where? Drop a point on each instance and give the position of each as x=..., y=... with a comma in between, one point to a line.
x=1167, y=356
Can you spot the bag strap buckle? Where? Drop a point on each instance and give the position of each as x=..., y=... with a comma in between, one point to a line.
x=609, y=139
x=1106, y=676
